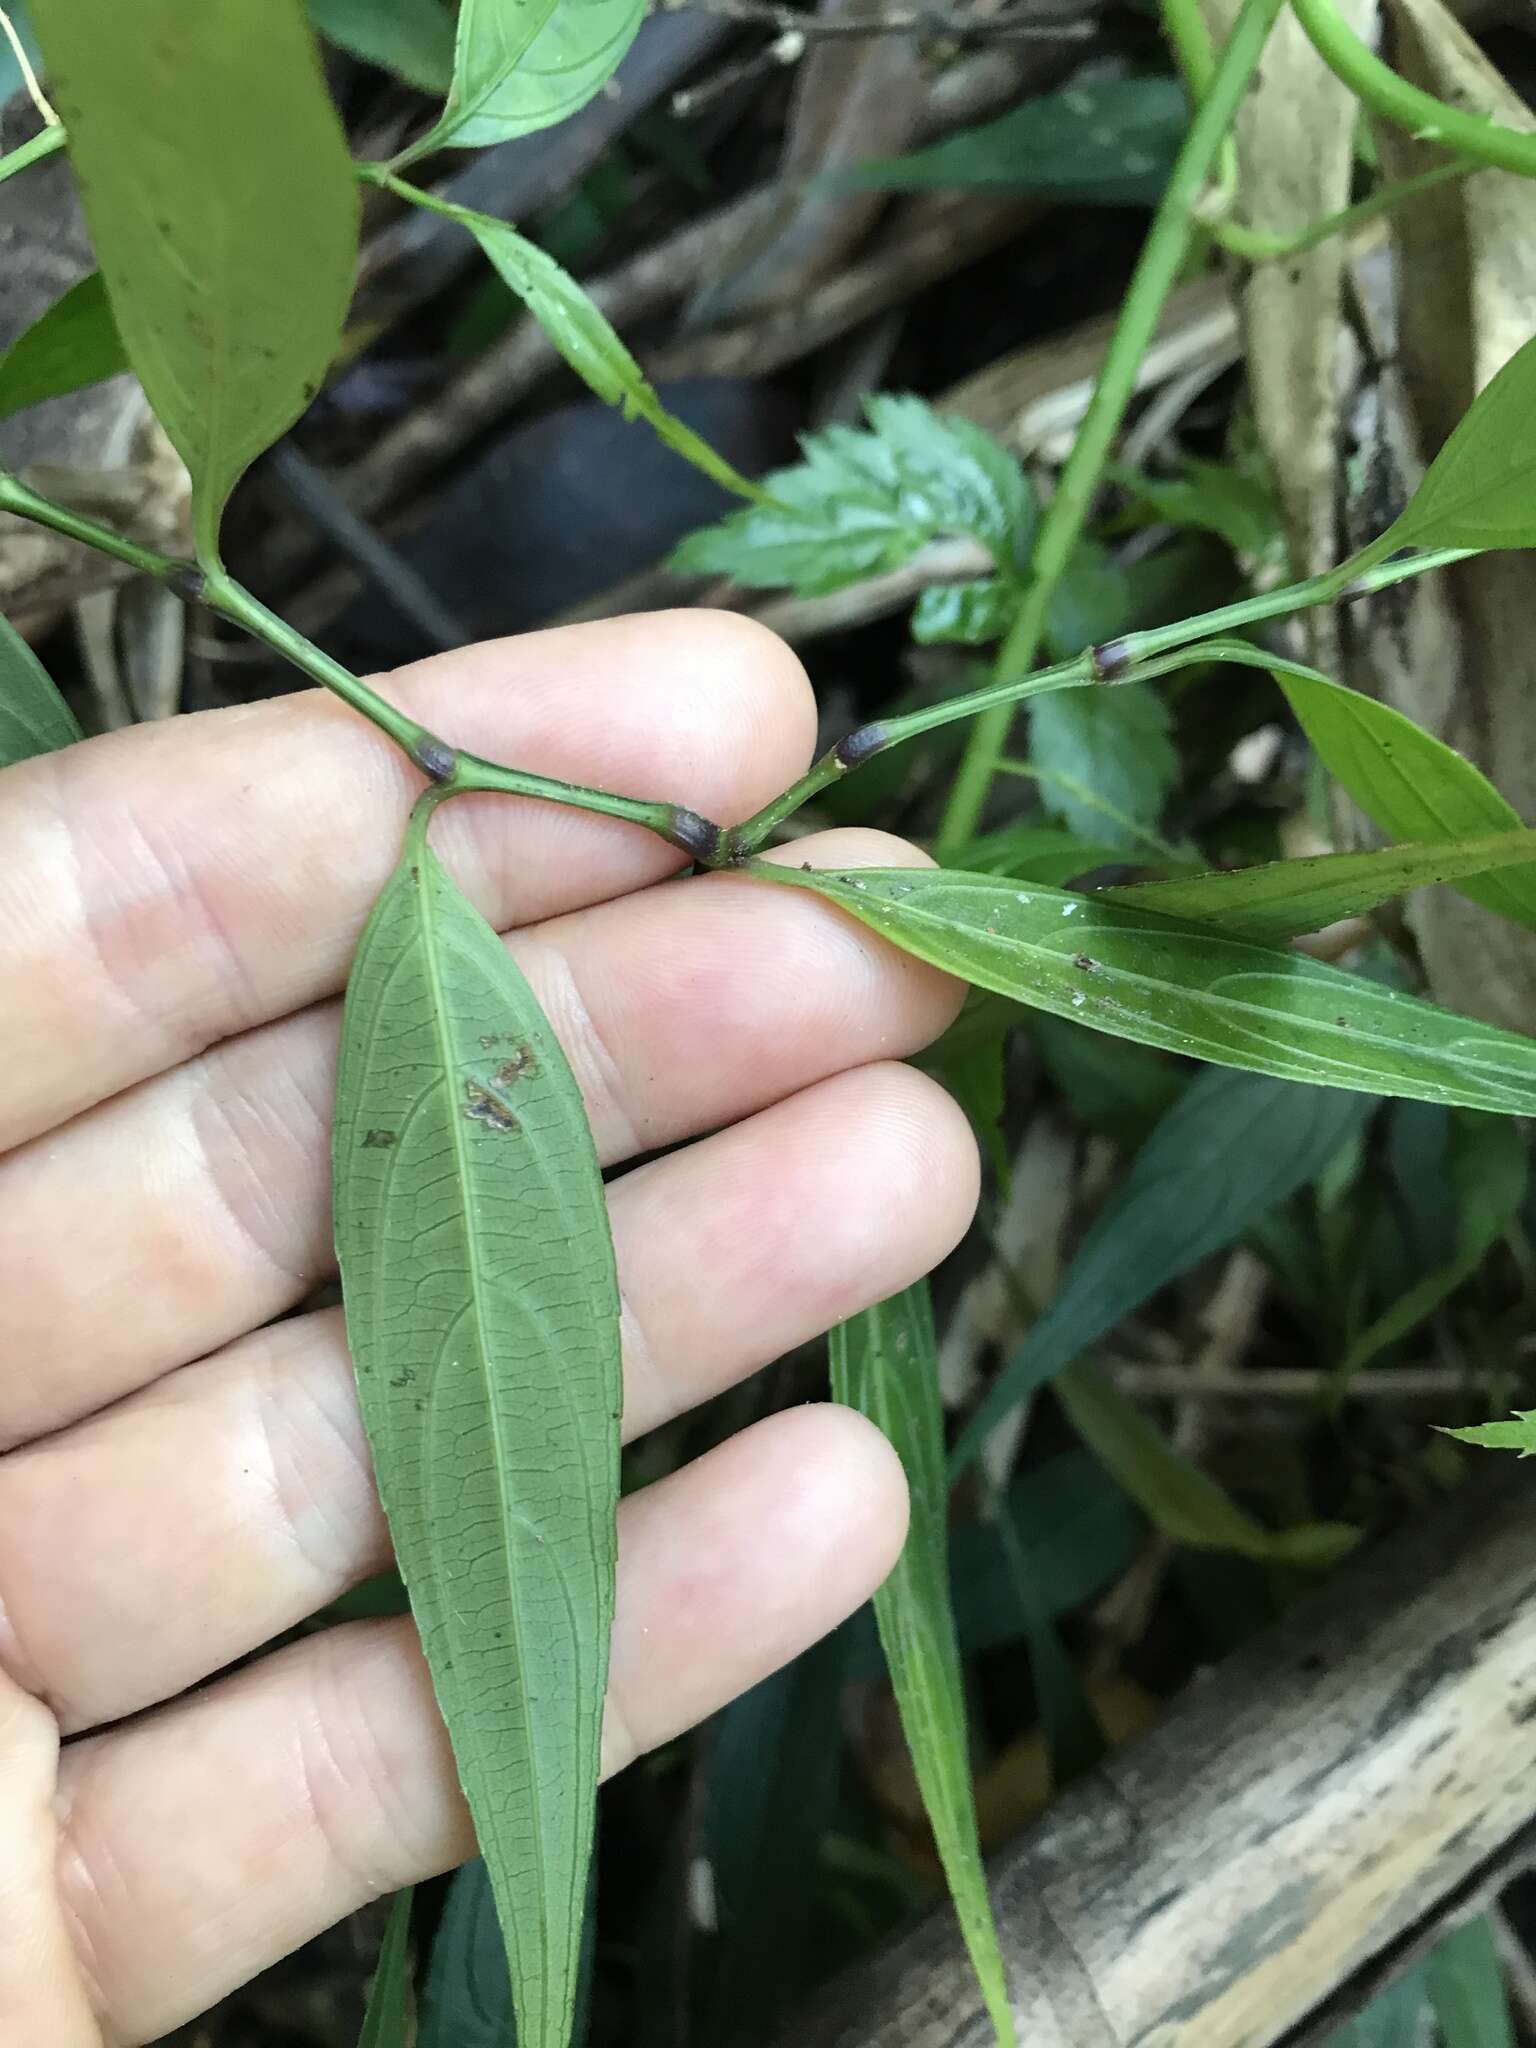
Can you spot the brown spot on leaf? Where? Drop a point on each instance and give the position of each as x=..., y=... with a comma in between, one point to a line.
x=522, y=1065
x=1085, y=961
x=485, y=1108
x=378, y=1139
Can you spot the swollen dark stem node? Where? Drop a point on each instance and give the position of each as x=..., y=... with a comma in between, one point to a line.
x=436, y=761
x=697, y=836
x=188, y=583
x=857, y=746
x=1110, y=660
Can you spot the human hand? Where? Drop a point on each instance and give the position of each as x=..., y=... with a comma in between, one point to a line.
x=184, y=1480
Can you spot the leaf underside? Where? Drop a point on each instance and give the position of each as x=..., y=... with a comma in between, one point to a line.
x=219, y=192
x=482, y=1310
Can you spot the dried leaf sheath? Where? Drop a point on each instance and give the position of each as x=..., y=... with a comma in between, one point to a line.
x=482, y=1310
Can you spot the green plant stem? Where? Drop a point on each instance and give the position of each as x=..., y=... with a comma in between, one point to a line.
x=456, y=772
x=19, y=498
x=1254, y=246
x=221, y=593
x=1162, y=257
x=1116, y=661
x=44, y=143
x=1407, y=106
x=1185, y=28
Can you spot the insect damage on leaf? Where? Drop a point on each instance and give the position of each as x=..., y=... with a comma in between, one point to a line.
x=484, y=1107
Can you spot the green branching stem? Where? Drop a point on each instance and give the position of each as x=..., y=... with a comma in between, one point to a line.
x=1407, y=106
x=18, y=498
x=1120, y=661
x=1174, y=226
x=1253, y=245
x=44, y=143
x=455, y=772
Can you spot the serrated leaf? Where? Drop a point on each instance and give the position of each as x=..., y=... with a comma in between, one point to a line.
x=864, y=502
x=225, y=226
x=520, y=65
x=965, y=614
x=412, y=38
x=589, y=344
x=482, y=1312
x=1114, y=745
x=1108, y=142
x=387, y=2022
x=1228, y=1152
x=34, y=719
x=1518, y=1434
x=1285, y=897
x=1480, y=490
x=1173, y=985
x=1465, y=1981
x=1409, y=783
x=73, y=344
x=1488, y=1167
x=1234, y=502
x=1176, y=1496
x=885, y=1364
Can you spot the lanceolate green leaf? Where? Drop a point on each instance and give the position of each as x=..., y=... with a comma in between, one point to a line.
x=1187, y=1504
x=1229, y=1151
x=1409, y=783
x=589, y=344
x=1487, y=1169
x=1480, y=490
x=412, y=38
x=524, y=64
x=885, y=1364
x=1110, y=142
x=221, y=201
x=34, y=719
x=73, y=344
x=482, y=1311
x=770, y=1793
x=1162, y=983
x=466, y=2001
x=1275, y=902
x=1466, y=1988
x=387, y=2022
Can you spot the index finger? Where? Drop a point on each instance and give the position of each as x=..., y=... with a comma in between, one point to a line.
x=170, y=886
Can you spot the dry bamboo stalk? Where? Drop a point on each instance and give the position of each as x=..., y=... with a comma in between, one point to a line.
x=1296, y=1819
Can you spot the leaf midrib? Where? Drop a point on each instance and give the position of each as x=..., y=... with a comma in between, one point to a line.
x=425, y=894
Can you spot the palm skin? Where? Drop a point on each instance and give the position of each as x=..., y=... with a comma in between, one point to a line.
x=182, y=1479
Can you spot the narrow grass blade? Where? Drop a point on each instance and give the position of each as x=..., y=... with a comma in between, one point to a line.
x=388, y=2020
x=885, y=1364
